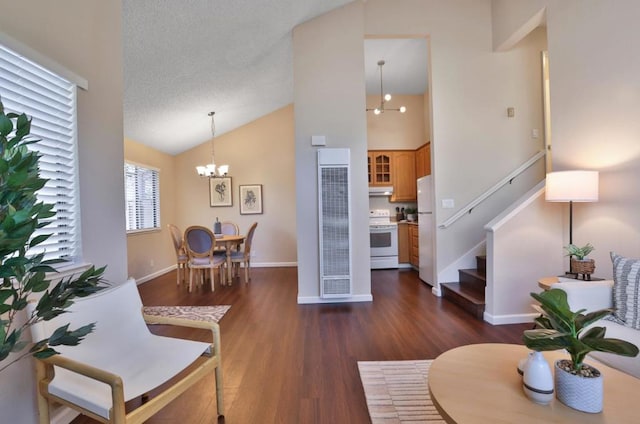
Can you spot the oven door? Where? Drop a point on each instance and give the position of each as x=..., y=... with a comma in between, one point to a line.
x=383, y=240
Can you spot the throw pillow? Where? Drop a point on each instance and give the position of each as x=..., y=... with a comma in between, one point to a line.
x=626, y=288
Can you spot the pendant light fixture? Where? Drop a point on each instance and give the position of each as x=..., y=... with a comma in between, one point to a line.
x=210, y=170
x=384, y=97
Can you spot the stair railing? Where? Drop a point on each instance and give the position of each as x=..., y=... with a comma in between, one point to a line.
x=508, y=179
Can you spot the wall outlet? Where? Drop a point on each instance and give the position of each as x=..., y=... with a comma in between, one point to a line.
x=448, y=204
x=152, y=263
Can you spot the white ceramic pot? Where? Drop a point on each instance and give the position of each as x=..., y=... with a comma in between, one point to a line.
x=581, y=393
x=537, y=379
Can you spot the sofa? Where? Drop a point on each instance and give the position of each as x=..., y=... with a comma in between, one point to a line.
x=594, y=295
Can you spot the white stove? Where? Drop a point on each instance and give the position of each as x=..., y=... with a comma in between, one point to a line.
x=383, y=236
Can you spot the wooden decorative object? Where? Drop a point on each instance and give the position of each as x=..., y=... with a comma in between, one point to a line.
x=584, y=267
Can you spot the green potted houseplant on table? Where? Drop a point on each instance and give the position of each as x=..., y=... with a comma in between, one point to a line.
x=578, y=385
x=579, y=262
x=23, y=274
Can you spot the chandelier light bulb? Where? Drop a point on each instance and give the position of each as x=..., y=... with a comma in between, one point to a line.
x=384, y=97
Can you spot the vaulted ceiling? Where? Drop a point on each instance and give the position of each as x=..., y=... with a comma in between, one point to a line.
x=183, y=59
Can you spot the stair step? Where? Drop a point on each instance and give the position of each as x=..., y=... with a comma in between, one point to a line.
x=469, y=299
x=472, y=279
x=481, y=264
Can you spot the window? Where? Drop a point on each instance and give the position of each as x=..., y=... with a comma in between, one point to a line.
x=50, y=101
x=142, y=197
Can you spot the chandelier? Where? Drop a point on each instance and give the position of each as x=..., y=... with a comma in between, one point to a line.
x=210, y=170
x=384, y=97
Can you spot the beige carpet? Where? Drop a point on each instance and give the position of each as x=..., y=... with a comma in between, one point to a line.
x=397, y=392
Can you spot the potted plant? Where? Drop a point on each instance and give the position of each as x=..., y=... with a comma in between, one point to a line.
x=411, y=214
x=578, y=385
x=580, y=264
x=22, y=274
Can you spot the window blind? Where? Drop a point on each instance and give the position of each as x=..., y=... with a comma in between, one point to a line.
x=50, y=101
x=142, y=197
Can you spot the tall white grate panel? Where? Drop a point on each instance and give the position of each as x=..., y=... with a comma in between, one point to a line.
x=334, y=222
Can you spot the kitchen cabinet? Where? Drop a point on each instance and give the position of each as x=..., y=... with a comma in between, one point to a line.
x=380, y=168
x=403, y=243
x=414, y=257
x=423, y=160
x=404, y=176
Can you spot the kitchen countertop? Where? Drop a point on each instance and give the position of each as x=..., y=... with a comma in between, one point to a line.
x=404, y=221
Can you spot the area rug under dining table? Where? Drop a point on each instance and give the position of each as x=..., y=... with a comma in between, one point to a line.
x=397, y=392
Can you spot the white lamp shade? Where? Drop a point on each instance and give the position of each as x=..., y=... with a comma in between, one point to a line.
x=572, y=186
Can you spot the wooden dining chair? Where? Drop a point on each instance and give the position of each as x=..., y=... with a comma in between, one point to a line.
x=244, y=256
x=201, y=244
x=181, y=253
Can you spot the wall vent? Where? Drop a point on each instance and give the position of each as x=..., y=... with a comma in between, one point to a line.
x=334, y=211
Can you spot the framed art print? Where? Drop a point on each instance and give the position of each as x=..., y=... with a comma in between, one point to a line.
x=220, y=191
x=250, y=199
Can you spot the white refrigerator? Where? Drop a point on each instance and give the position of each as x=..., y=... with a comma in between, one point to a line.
x=426, y=229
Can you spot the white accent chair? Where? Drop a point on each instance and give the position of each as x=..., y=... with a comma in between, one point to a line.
x=121, y=359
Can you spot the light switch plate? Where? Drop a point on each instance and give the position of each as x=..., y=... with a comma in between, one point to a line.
x=318, y=140
x=448, y=204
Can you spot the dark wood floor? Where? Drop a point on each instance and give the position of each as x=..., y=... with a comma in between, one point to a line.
x=289, y=363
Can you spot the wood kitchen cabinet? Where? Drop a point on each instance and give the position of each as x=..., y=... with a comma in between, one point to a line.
x=380, y=168
x=404, y=245
x=414, y=257
x=423, y=160
x=404, y=176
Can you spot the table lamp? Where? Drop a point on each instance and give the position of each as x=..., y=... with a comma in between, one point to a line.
x=571, y=186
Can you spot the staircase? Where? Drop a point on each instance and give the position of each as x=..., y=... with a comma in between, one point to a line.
x=469, y=292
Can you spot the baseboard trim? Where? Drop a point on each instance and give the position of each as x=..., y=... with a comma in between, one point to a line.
x=253, y=265
x=306, y=300
x=509, y=319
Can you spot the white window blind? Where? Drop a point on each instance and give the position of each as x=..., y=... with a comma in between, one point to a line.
x=142, y=197
x=50, y=101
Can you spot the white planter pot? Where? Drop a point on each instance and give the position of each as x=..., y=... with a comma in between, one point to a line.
x=537, y=379
x=581, y=393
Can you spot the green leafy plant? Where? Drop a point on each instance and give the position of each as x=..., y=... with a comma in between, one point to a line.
x=22, y=274
x=560, y=328
x=579, y=252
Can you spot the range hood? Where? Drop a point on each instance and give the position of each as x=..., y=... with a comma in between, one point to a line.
x=380, y=191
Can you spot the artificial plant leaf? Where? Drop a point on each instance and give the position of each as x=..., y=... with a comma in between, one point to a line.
x=45, y=353
x=6, y=126
x=617, y=346
x=62, y=336
x=585, y=320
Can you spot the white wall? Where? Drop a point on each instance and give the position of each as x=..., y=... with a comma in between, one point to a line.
x=594, y=70
x=329, y=99
x=473, y=142
x=84, y=36
x=518, y=255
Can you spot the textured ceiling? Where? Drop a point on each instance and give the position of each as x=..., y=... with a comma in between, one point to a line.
x=183, y=59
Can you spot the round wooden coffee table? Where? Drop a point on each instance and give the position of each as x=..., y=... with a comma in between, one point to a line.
x=479, y=383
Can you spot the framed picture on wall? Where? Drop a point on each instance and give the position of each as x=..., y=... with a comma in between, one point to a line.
x=220, y=192
x=250, y=199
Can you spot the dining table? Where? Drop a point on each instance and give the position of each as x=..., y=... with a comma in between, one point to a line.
x=229, y=240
